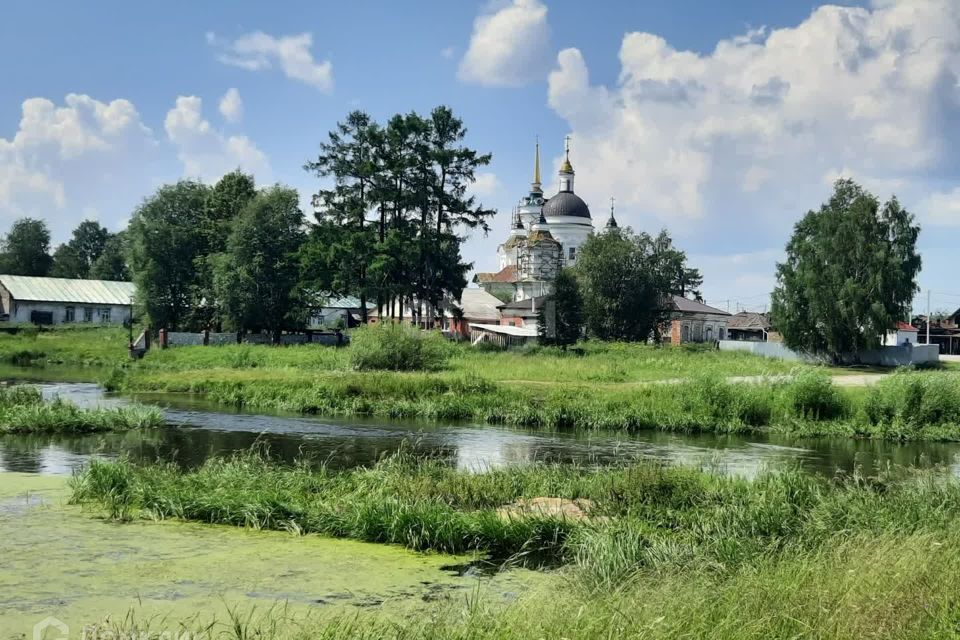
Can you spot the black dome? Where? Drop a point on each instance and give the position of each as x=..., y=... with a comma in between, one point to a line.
x=566, y=203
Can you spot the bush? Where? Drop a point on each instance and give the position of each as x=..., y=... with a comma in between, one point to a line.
x=813, y=396
x=397, y=347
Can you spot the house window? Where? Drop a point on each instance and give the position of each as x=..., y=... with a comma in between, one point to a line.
x=70, y=315
x=573, y=253
x=722, y=334
x=105, y=315
x=685, y=333
x=88, y=314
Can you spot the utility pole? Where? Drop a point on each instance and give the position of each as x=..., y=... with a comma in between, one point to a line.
x=928, y=316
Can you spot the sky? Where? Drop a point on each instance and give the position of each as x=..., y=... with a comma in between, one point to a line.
x=723, y=122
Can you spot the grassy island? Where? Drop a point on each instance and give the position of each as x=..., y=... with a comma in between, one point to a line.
x=23, y=410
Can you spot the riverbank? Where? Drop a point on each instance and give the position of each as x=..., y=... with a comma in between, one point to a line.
x=903, y=406
x=650, y=551
x=598, y=386
x=23, y=410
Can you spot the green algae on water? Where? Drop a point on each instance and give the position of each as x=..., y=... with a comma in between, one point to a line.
x=63, y=561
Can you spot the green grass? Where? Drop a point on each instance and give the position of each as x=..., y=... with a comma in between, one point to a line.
x=807, y=404
x=669, y=552
x=95, y=346
x=591, y=363
x=616, y=386
x=23, y=410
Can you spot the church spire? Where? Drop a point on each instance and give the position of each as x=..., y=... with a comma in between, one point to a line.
x=612, y=222
x=566, y=169
x=536, y=187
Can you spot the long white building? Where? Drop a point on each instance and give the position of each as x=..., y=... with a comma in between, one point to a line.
x=47, y=301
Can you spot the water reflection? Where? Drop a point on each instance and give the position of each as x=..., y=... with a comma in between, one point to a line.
x=199, y=430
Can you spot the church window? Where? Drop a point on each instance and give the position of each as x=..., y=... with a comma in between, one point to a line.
x=573, y=253
x=685, y=333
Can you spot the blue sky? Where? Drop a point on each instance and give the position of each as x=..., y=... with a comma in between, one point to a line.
x=722, y=122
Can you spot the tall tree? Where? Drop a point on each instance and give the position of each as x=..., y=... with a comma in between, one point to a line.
x=26, y=249
x=627, y=281
x=65, y=263
x=256, y=278
x=850, y=273
x=75, y=258
x=224, y=202
x=112, y=263
x=388, y=225
x=165, y=238
x=349, y=157
x=565, y=304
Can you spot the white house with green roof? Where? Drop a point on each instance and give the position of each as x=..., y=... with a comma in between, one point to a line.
x=50, y=301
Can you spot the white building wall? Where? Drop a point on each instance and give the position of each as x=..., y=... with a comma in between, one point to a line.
x=570, y=232
x=898, y=338
x=99, y=313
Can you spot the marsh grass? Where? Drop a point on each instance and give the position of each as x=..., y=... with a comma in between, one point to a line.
x=23, y=410
x=668, y=552
x=646, y=516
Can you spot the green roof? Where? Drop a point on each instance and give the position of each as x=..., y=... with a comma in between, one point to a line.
x=37, y=289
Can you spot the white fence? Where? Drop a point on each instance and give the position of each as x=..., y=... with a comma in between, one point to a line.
x=899, y=356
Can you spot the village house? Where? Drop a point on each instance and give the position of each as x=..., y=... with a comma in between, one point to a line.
x=337, y=312
x=49, y=301
x=901, y=334
x=751, y=326
x=476, y=306
x=692, y=321
x=944, y=332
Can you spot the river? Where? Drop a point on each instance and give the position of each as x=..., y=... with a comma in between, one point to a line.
x=199, y=429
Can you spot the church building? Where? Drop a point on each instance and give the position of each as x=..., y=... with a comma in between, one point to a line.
x=545, y=236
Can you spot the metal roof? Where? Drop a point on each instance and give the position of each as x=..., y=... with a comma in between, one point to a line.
x=566, y=203
x=37, y=289
x=344, y=302
x=507, y=274
x=749, y=321
x=478, y=304
x=525, y=304
x=692, y=306
x=521, y=332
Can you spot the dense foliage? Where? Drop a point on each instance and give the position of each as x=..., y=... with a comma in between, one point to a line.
x=25, y=250
x=627, y=281
x=387, y=227
x=560, y=319
x=397, y=347
x=256, y=278
x=850, y=274
x=165, y=244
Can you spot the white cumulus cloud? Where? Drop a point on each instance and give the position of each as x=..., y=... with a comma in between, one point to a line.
x=79, y=155
x=260, y=51
x=231, y=106
x=205, y=152
x=486, y=184
x=941, y=208
x=510, y=46
x=733, y=145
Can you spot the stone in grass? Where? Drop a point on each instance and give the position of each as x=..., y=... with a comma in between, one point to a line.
x=551, y=508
